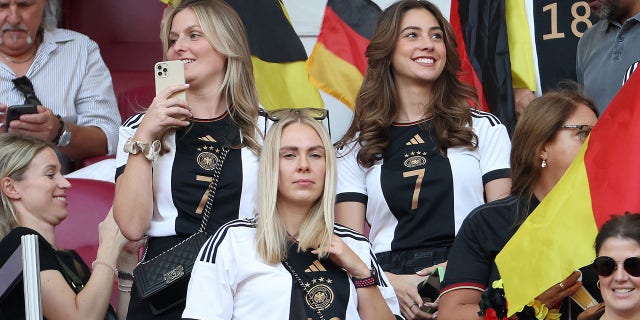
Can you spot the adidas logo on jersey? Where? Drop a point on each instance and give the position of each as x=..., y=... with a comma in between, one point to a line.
x=316, y=266
x=207, y=138
x=415, y=140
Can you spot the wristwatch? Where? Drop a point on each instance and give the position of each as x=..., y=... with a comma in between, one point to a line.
x=366, y=282
x=149, y=150
x=125, y=276
x=64, y=135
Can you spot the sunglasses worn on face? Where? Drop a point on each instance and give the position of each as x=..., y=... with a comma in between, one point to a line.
x=605, y=266
x=583, y=130
x=315, y=113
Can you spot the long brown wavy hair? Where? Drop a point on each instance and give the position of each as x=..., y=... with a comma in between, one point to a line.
x=377, y=101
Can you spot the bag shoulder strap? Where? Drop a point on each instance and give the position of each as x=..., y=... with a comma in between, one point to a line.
x=70, y=276
x=211, y=190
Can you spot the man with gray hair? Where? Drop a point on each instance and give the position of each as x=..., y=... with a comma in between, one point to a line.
x=60, y=71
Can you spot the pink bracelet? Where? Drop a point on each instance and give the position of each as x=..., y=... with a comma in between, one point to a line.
x=115, y=270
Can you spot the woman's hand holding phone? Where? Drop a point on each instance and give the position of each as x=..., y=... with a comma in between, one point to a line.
x=169, y=108
x=163, y=113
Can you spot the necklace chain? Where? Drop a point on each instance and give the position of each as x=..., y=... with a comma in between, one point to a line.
x=304, y=288
x=14, y=61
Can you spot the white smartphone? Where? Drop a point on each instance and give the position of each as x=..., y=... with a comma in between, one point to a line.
x=169, y=73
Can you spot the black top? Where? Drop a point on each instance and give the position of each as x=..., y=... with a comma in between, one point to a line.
x=12, y=307
x=482, y=236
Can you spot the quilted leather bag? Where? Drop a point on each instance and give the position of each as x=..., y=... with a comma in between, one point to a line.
x=163, y=280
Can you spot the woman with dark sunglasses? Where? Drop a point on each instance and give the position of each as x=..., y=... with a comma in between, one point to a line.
x=618, y=265
x=548, y=136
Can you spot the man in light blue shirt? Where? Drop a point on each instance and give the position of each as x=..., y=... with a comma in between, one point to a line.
x=77, y=108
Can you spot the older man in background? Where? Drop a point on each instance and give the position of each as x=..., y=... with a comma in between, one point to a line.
x=62, y=72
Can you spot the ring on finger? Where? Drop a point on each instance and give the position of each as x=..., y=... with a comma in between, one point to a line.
x=415, y=304
x=561, y=285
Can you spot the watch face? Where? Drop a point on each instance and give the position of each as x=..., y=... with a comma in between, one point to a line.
x=65, y=138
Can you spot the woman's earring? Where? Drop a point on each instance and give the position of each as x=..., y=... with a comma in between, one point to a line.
x=544, y=163
x=598, y=284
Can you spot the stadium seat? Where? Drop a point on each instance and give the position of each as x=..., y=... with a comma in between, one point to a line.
x=88, y=202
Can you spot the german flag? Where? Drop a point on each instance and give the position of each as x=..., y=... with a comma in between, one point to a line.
x=337, y=64
x=523, y=70
x=483, y=46
x=277, y=54
x=604, y=179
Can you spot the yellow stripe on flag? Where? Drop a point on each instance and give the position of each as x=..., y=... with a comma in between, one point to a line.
x=542, y=252
x=523, y=72
x=285, y=85
x=343, y=85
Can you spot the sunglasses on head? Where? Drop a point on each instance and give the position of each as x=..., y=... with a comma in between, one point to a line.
x=315, y=113
x=605, y=266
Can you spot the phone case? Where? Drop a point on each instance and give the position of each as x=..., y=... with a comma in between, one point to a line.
x=14, y=113
x=430, y=287
x=169, y=73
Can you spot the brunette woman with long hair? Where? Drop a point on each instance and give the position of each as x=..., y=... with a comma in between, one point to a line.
x=418, y=156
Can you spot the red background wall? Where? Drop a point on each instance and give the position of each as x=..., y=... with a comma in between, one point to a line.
x=128, y=34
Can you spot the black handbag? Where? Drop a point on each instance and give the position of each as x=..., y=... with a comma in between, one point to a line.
x=163, y=280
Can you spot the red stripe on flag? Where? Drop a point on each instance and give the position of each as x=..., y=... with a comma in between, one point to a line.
x=612, y=158
x=339, y=38
x=468, y=75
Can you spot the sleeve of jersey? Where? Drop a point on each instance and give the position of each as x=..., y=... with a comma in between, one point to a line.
x=468, y=266
x=494, y=147
x=126, y=131
x=361, y=246
x=351, y=186
x=210, y=292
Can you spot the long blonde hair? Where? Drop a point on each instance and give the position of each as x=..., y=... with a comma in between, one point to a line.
x=226, y=34
x=17, y=152
x=317, y=228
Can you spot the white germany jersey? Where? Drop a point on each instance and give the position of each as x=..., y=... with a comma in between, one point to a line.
x=414, y=196
x=230, y=281
x=182, y=175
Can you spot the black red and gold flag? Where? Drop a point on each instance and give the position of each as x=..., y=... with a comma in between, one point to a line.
x=337, y=64
x=277, y=54
x=483, y=45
